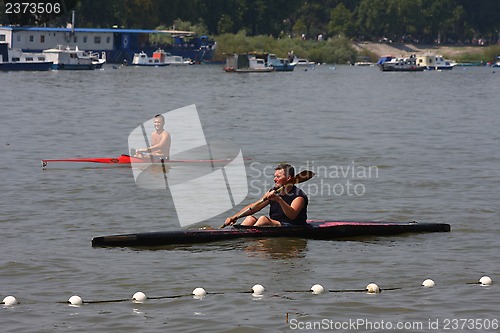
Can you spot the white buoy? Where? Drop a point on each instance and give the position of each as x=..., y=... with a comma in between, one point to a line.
x=428, y=283
x=485, y=281
x=258, y=290
x=199, y=293
x=372, y=288
x=139, y=297
x=317, y=289
x=75, y=300
x=10, y=300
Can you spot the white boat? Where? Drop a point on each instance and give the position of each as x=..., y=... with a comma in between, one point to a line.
x=157, y=60
x=96, y=60
x=175, y=60
x=435, y=62
x=393, y=64
x=300, y=62
x=246, y=63
x=17, y=60
x=363, y=61
x=70, y=59
x=497, y=63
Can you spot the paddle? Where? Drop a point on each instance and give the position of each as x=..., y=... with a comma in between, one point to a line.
x=298, y=178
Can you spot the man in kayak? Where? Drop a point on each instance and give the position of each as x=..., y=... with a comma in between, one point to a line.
x=160, y=141
x=288, y=206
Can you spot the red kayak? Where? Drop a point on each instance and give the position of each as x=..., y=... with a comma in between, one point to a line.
x=121, y=161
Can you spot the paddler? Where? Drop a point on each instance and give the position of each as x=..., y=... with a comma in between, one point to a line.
x=160, y=141
x=288, y=205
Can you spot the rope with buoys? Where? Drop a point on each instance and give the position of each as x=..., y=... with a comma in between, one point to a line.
x=256, y=291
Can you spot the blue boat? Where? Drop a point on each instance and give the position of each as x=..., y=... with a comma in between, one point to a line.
x=17, y=60
x=119, y=45
x=383, y=59
x=279, y=64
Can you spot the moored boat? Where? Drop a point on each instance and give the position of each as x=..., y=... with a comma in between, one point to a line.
x=400, y=65
x=120, y=45
x=363, y=61
x=157, y=60
x=300, y=62
x=279, y=64
x=322, y=230
x=66, y=58
x=497, y=63
x=435, y=62
x=175, y=60
x=98, y=61
x=17, y=60
x=383, y=59
x=246, y=63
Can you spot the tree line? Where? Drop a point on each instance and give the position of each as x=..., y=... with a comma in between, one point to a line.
x=423, y=21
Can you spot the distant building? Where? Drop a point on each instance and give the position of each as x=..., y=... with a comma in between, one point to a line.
x=119, y=44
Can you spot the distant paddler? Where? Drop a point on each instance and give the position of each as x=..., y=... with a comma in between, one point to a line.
x=160, y=141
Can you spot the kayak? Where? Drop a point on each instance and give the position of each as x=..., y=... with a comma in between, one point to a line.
x=322, y=230
x=121, y=161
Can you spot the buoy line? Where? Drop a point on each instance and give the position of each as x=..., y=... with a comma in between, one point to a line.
x=256, y=291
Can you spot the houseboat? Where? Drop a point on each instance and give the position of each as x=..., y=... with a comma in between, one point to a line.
x=66, y=58
x=17, y=60
x=119, y=45
x=434, y=62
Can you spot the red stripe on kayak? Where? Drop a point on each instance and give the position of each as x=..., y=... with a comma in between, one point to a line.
x=125, y=159
x=340, y=223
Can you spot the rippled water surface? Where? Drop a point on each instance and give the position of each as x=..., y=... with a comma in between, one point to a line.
x=430, y=138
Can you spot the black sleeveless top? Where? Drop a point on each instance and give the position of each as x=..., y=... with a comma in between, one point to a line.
x=276, y=213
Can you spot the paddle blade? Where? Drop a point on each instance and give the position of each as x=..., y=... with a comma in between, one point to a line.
x=302, y=177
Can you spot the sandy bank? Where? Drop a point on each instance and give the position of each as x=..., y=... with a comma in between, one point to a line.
x=397, y=49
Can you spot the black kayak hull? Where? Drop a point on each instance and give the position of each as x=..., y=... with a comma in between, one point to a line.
x=322, y=230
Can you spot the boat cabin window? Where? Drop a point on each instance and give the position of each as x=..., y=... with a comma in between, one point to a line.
x=2, y=38
x=32, y=38
x=97, y=39
x=29, y=59
x=75, y=39
x=15, y=59
x=41, y=58
x=85, y=39
x=42, y=39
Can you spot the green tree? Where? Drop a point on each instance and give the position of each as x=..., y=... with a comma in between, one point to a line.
x=225, y=24
x=311, y=19
x=341, y=21
x=372, y=18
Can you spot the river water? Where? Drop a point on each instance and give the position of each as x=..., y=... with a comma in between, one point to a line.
x=424, y=147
